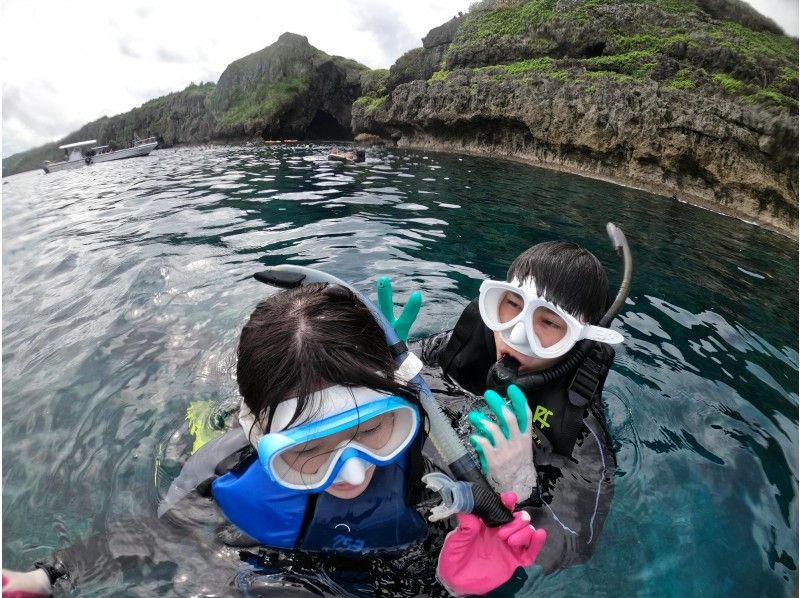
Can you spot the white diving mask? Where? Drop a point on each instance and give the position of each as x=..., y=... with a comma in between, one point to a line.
x=525, y=320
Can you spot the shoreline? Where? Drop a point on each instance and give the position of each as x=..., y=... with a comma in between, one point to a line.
x=660, y=190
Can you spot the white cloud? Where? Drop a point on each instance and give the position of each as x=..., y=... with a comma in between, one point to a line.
x=783, y=12
x=67, y=63
x=386, y=26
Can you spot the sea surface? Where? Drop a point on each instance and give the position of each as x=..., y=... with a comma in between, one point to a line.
x=125, y=285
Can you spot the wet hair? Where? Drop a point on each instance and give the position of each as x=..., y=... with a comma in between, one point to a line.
x=303, y=340
x=566, y=274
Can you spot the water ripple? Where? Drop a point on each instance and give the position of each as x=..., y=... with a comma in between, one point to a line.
x=125, y=285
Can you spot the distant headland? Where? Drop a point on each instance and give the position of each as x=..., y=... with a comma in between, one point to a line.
x=694, y=99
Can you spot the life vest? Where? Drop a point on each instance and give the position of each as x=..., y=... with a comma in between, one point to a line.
x=558, y=408
x=378, y=520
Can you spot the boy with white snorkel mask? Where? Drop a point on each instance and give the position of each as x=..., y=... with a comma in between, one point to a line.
x=541, y=339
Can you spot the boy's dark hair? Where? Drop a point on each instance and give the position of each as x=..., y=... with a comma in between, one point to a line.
x=565, y=274
x=306, y=339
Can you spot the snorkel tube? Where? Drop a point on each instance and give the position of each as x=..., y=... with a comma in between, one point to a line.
x=485, y=502
x=505, y=372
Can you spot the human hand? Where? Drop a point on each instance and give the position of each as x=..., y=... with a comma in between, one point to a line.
x=30, y=584
x=476, y=559
x=401, y=325
x=505, y=448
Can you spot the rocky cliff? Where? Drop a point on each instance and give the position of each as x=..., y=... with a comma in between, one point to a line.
x=692, y=98
x=287, y=90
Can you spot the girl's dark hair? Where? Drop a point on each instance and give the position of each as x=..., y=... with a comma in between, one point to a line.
x=303, y=340
x=567, y=275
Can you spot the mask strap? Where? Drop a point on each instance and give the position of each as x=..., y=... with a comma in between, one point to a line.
x=603, y=335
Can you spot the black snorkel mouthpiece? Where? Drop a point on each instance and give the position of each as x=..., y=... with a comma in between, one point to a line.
x=503, y=373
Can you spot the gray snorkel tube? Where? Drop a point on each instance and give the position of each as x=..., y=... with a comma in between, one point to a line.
x=620, y=244
x=472, y=493
x=504, y=373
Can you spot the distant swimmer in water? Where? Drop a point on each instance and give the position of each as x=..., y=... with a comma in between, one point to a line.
x=355, y=155
x=538, y=348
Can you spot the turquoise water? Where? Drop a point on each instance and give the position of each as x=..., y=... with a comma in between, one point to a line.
x=124, y=285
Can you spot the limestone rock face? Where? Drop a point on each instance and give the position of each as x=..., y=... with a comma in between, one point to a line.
x=288, y=89
x=176, y=119
x=702, y=106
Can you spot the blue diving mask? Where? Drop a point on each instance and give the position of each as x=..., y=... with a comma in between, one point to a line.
x=352, y=430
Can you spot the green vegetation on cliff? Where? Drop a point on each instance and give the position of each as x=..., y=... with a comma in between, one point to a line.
x=173, y=118
x=690, y=97
x=259, y=87
x=369, y=103
x=715, y=46
x=374, y=87
x=259, y=84
x=264, y=101
x=510, y=19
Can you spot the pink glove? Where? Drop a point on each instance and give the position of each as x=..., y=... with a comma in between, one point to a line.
x=476, y=559
x=30, y=584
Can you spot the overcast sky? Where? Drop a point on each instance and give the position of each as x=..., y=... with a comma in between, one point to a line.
x=68, y=63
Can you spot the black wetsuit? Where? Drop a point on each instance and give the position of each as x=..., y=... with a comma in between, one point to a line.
x=191, y=542
x=574, y=458
x=571, y=503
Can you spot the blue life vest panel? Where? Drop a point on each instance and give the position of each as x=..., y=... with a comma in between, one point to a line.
x=377, y=520
x=261, y=508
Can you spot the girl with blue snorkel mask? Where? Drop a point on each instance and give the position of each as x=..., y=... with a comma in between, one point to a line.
x=335, y=433
x=326, y=455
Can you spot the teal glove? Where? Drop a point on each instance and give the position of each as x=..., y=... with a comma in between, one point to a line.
x=505, y=448
x=402, y=324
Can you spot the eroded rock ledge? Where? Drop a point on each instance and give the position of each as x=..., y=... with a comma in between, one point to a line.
x=692, y=98
x=739, y=160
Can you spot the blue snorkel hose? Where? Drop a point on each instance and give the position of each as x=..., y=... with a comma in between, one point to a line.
x=471, y=493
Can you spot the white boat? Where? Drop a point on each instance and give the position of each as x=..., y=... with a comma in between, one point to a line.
x=141, y=147
x=73, y=157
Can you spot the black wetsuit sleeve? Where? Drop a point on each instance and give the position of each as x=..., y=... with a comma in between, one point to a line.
x=574, y=497
x=215, y=458
x=127, y=549
x=430, y=348
x=185, y=519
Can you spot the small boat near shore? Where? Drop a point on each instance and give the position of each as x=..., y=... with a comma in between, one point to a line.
x=140, y=147
x=73, y=157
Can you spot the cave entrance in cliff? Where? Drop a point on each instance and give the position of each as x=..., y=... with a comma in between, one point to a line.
x=324, y=126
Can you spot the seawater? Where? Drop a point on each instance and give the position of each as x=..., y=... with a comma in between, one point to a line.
x=125, y=285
